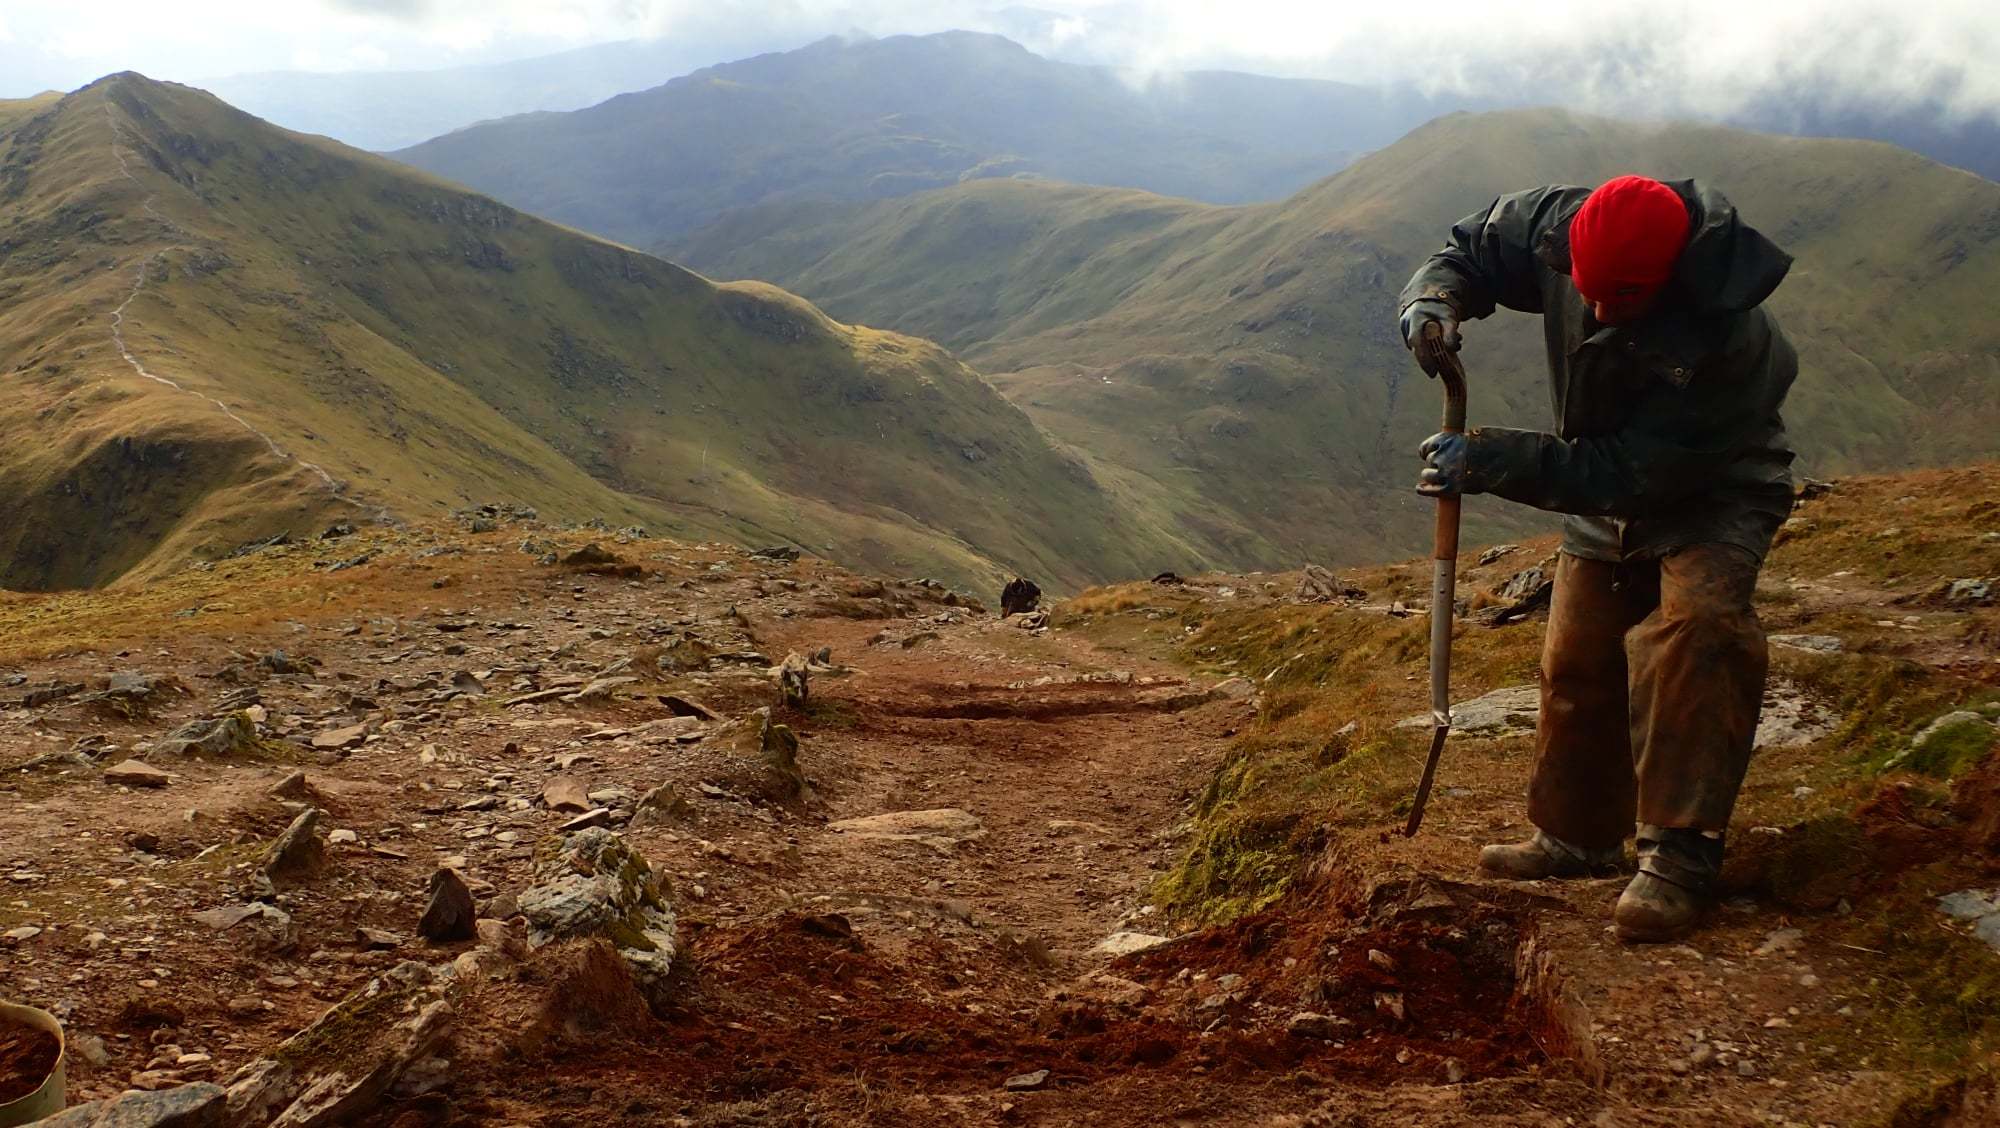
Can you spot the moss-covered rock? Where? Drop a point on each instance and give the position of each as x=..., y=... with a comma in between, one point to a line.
x=593, y=884
x=1949, y=744
x=760, y=760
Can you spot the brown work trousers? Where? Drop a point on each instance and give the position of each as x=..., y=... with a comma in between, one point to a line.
x=1652, y=679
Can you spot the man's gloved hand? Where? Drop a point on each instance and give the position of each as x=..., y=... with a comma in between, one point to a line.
x=1444, y=465
x=1428, y=311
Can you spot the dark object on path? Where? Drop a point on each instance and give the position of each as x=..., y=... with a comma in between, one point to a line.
x=595, y=560
x=1019, y=597
x=450, y=914
x=1169, y=579
x=832, y=925
x=590, y=555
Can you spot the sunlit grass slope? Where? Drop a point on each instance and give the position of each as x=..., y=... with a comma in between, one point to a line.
x=1242, y=363
x=351, y=336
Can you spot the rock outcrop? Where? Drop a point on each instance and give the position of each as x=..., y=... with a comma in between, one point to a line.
x=593, y=885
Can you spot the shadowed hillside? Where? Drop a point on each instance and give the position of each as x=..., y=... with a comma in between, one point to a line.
x=853, y=120
x=213, y=330
x=1247, y=357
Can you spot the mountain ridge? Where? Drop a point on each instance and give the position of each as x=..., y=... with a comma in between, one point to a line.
x=1223, y=350
x=316, y=329
x=858, y=119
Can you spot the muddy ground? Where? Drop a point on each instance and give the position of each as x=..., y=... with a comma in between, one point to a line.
x=923, y=972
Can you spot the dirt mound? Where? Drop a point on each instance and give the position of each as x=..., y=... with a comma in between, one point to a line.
x=1428, y=985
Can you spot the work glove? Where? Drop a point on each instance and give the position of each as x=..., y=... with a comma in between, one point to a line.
x=1427, y=311
x=1444, y=465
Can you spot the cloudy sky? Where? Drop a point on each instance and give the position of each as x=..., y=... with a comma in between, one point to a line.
x=1704, y=55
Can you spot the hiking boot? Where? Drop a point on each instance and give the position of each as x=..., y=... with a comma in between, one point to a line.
x=1666, y=899
x=1545, y=855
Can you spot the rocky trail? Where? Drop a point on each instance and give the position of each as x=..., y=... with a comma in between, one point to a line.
x=429, y=827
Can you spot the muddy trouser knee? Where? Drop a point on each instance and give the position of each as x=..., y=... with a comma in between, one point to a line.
x=1583, y=789
x=1697, y=665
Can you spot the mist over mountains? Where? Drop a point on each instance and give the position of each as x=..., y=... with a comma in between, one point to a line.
x=382, y=110
x=867, y=119
x=853, y=119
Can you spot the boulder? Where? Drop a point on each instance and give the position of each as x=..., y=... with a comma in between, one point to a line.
x=136, y=773
x=1320, y=585
x=254, y=926
x=591, y=885
x=1522, y=584
x=449, y=916
x=942, y=827
x=341, y=1067
x=686, y=654
x=1968, y=593
x=759, y=759
x=184, y=1106
x=688, y=707
x=341, y=738
x=792, y=681
x=600, y=689
x=1126, y=943
x=230, y=736
x=296, y=856
x=294, y=787
x=659, y=806
x=1525, y=592
x=566, y=793
x=130, y=694
x=1818, y=644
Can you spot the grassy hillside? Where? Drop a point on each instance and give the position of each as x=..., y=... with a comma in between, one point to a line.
x=314, y=330
x=1245, y=359
x=857, y=120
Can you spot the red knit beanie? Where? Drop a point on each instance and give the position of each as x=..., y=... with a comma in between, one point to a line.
x=1629, y=233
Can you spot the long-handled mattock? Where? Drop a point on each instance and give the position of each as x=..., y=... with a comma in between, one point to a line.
x=1444, y=570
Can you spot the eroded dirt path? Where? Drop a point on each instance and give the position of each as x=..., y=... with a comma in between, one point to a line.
x=920, y=940
x=832, y=972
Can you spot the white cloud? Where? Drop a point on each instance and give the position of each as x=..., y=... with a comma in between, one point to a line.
x=1664, y=56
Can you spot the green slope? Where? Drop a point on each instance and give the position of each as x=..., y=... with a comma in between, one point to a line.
x=324, y=331
x=1245, y=359
x=858, y=120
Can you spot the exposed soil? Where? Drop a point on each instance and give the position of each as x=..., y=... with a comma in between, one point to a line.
x=27, y=1056
x=828, y=975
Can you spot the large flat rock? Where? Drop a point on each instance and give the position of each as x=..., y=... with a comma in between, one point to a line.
x=187, y=1106
x=940, y=826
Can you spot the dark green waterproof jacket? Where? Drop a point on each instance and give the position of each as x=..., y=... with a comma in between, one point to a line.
x=1666, y=430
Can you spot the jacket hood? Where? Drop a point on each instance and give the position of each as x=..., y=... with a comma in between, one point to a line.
x=1728, y=265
